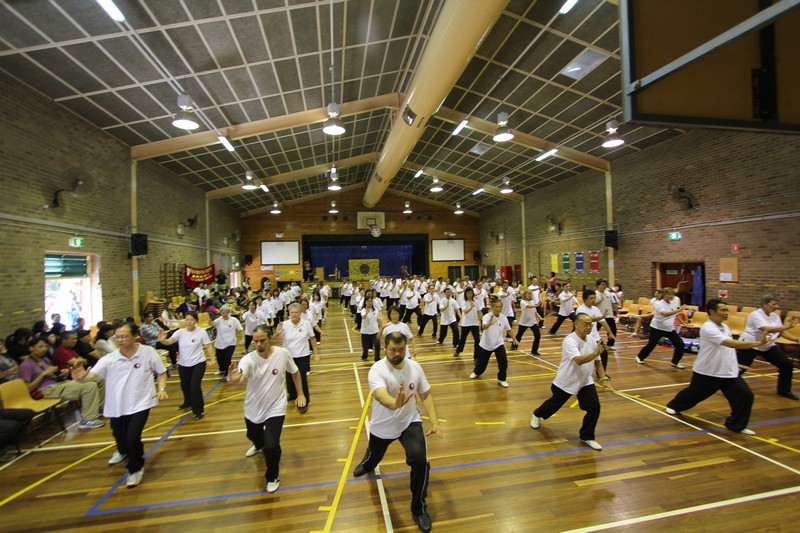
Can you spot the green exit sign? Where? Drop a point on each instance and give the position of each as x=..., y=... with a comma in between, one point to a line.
x=76, y=242
x=674, y=236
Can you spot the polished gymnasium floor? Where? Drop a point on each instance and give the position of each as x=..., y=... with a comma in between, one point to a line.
x=491, y=472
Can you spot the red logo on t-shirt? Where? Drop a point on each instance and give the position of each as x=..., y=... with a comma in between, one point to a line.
x=137, y=365
x=410, y=386
x=274, y=371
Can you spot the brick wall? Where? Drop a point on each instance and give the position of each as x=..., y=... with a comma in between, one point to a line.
x=743, y=185
x=39, y=142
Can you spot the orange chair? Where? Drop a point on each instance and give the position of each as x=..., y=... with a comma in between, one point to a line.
x=736, y=323
x=747, y=310
x=698, y=319
x=15, y=395
x=643, y=301
x=732, y=308
x=626, y=305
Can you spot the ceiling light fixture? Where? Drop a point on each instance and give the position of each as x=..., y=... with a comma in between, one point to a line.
x=503, y=132
x=408, y=210
x=249, y=184
x=334, y=183
x=333, y=209
x=184, y=119
x=333, y=126
x=436, y=187
x=112, y=10
x=226, y=143
x=568, y=5
x=418, y=174
x=476, y=192
x=458, y=210
x=506, y=186
x=263, y=186
x=547, y=154
x=613, y=139
x=275, y=209
x=460, y=127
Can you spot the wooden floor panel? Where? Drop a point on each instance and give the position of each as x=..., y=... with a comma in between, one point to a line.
x=491, y=472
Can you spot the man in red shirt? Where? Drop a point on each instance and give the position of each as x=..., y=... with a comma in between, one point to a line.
x=66, y=350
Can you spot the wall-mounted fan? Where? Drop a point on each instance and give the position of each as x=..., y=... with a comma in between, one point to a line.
x=677, y=194
x=78, y=182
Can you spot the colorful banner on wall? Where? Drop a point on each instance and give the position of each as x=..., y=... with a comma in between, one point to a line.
x=565, y=262
x=195, y=276
x=579, y=262
x=594, y=262
x=553, y=262
x=364, y=269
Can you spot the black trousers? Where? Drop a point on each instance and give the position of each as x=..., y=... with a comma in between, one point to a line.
x=476, y=337
x=612, y=325
x=127, y=431
x=482, y=360
x=303, y=366
x=353, y=310
x=370, y=340
x=413, y=441
x=656, y=334
x=224, y=357
x=443, y=332
x=424, y=322
x=537, y=336
x=247, y=340
x=541, y=312
x=736, y=391
x=13, y=423
x=358, y=321
x=560, y=320
x=266, y=436
x=587, y=401
x=409, y=312
x=192, y=386
x=390, y=302
x=776, y=358
x=172, y=351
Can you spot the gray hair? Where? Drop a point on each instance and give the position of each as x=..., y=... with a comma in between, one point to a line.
x=295, y=306
x=767, y=298
x=225, y=307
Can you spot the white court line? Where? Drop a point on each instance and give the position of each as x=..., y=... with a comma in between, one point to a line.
x=25, y=453
x=687, y=510
x=349, y=342
x=387, y=517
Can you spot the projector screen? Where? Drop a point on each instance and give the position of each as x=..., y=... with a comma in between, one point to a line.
x=280, y=252
x=447, y=249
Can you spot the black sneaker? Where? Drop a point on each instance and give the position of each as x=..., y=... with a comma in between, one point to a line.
x=198, y=416
x=423, y=521
x=789, y=395
x=359, y=471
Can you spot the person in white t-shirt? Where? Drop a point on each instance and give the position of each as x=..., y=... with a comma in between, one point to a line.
x=528, y=319
x=265, y=403
x=716, y=368
x=663, y=325
x=606, y=305
x=494, y=327
x=430, y=303
x=251, y=319
x=536, y=291
x=129, y=395
x=766, y=322
x=395, y=325
x=395, y=383
x=566, y=309
x=298, y=338
x=470, y=322
x=588, y=308
x=448, y=307
x=370, y=327
x=574, y=377
x=412, y=305
x=649, y=316
x=226, y=327
x=508, y=296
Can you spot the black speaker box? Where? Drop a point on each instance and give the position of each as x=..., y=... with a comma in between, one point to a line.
x=248, y=259
x=476, y=255
x=139, y=244
x=611, y=239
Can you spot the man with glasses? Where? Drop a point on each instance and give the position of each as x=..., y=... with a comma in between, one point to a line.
x=574, y=376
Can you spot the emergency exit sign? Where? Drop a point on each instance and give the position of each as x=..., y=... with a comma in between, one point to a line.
x=674, y=236
x=76, y=242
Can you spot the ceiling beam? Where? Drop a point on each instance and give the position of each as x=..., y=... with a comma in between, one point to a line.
x=304, y=199
x=295, y=175
x=444, y=205
x=261, y=127
x=465, y=182
x=524, y=139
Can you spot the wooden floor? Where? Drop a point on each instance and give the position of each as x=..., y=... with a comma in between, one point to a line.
x=491, y=472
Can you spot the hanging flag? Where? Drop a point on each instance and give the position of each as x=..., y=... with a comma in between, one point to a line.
x=565, y=262
x=553, y=262
x=594, y=262
x=579, y=262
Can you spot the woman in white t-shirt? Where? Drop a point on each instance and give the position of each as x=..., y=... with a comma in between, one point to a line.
x=251, y=319
x=370, y=326
x=194, y=349
x=226, y=327
x=663, y=325
x=448, y=308
x=528, y=319
x=395, y=325
x=471, y=316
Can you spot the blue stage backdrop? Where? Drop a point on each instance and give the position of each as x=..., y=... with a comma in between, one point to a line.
x=391, y=257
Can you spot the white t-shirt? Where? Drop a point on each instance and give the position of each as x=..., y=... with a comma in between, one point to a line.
x=507, y=296
x=266, y=379
x=752, y=331
x=593, y=312
x=412, y=299
x=190, y=346
x=528, y=315
x=661, y=322
x=251, y=320
x=390, y=423
x=369, y=321
x=400, y=327
x=567, y=303
x=448, y=311
x=605, y=301
x=713, y=359
x=536, y=294
x=129, y=385
x=430, y=302
x=570, y=376
x=469, y=313
x=226, y=332
x=295, y=337
x=492, y=337
x=480, y=298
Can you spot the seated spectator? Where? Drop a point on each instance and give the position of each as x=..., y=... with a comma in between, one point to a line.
x=84, y=347
x=103, y=344
x=43, y=382
x=17, y=344
x=185, y=307
x=149, y=332
x=57, y=328
x=8, y=368
x=66, y=350
x=12, y=426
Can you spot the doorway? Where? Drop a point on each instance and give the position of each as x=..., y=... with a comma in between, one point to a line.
x=687, y=278
x=472, y=271
x=454, y=272
x=72, y=288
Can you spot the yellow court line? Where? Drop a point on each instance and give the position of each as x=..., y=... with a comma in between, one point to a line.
x=463, y=381
x=489, y=423
x=343, y=479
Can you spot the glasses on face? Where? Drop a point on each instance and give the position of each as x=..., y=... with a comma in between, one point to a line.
x=121, y=337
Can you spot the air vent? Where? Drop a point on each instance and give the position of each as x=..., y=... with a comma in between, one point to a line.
x=479, y=149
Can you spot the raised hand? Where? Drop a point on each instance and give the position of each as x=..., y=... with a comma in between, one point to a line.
x=402, y=398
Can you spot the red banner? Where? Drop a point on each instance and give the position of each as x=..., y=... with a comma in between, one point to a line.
x=594, y=262
x=195, y=276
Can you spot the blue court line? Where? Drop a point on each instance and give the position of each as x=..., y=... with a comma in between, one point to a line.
x=437, y=469
x=93, y=509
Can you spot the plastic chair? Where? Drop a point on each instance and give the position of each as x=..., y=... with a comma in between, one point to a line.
x=747, y=310
x=736, y=323
x=643, y=300
x=15, y=395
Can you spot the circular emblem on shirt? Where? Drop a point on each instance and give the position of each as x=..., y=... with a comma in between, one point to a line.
x=137, y=365
x=410, y=386
x=274, y=371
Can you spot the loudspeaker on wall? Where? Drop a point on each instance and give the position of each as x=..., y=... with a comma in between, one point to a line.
x=611, y=239
x=248, y=259
x=138, y=244
x=476, y=255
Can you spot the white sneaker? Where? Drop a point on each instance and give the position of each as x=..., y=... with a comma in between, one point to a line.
x=679, y=366
x=670, y=411
x=746, y=431
x=473, y=376
x=503, y=384
x=135, y=478
x=535, y=422
x=117, y=458
x=593, y=444
x=218, y=373
x=91, y=424
x=272, y=486
x=634, y=335
x=640, y=361
x=251, y=451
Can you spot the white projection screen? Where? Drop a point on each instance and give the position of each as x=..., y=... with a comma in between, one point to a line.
x=280, y=252
x=447, y=249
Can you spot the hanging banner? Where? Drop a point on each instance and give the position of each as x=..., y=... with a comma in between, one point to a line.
x=594, y=262
x=579, y=262
x=565, y=262
x=553, y=262
x=195, y=276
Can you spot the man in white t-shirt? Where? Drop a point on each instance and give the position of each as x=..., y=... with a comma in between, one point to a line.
x=574, y=376
x=395, y=382
x=605, y=303
x=265, y=401
x=494, y=328
x=766, y=322
x=566, y=309
x=589, y=308
x=663, y=325
x=129, y=395
x=716, y=368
